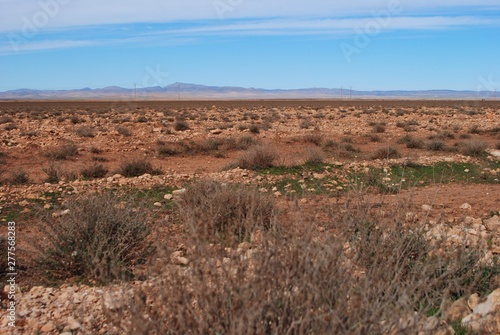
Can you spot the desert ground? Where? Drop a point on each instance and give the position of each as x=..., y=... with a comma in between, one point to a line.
x=251, y=217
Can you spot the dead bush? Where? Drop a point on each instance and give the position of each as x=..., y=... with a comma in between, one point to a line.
x=124, y=131
x=313, y=155
x=316, y=139
x=181, y=125
x=358, y=278
x=473, y=148
x=53, y=173
x=10, y=126
x=62, y=152
x=98, y=239
x=19, y=177
x=379, y=128
x=137, y=167
x=6, y=119
x=436, y=146
x=213, y=212
x=386, y=152
x=257, y=157
x=94, y=171
x=85, y=131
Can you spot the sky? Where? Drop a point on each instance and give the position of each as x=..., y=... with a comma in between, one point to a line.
x=287, y=44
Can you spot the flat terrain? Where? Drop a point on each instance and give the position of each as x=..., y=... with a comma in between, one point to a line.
x=434, y=163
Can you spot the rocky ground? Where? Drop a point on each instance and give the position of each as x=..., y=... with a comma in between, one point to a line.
x=440, y=159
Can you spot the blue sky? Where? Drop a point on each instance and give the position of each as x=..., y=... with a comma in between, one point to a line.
x=366, y=45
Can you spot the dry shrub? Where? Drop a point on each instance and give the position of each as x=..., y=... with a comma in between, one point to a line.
x=10, y=126
x=85, y=131
x=19, y=178
x=124, y=131
x=245, y=142
x=379, y=128
x=99, y=239
x=436, y=145
x=473, y=148
x=313, y=155
x=6, y=119
x=62, y=152
x=94, y=171
x=257, y=157
x=224, y=213
x=316, y=139
x=53, y=172
x=356, y=278
x=138, y=167
x=386, y=152
x=181, y=125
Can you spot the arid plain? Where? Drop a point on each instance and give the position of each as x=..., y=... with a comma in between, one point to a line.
x=253, y=217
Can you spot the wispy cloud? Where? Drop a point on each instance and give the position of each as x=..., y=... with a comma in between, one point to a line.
x=71, y=13
x=44, y=45
x=328, y=26
x=36, y=25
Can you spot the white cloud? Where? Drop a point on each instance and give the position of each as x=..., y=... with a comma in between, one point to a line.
x=43, y=45
x=331, y=26
x=71, y=13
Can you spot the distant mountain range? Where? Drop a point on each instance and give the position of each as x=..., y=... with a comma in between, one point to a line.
x=184, y=91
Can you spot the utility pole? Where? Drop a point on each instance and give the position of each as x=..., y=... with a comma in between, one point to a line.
x=179, y=92
x=341, y=93
x=135, y=91
x=350, y=93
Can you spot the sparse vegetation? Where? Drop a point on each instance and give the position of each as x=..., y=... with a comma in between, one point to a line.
x=53, y=173
x=473, y=148
x=94, y=171
x=20, y=178
x=137, y=167
x=386, y=152
x=62, y=152
x=436, y=145
x=10, y=126
x=280, y=265
x=227, y=214
x=257, y=157
x=84, y=131
x=124, y=131
x=181, y=125
x=99, y=239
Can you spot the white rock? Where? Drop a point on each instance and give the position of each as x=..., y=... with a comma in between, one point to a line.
x=113, y=302
x=466, y=206
x=485, y=317
x=157, y=204
x=179, y=192
x=168, y=197
x=494, y=153
x=493, y=223
x=426, y=208
x=73, y=324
